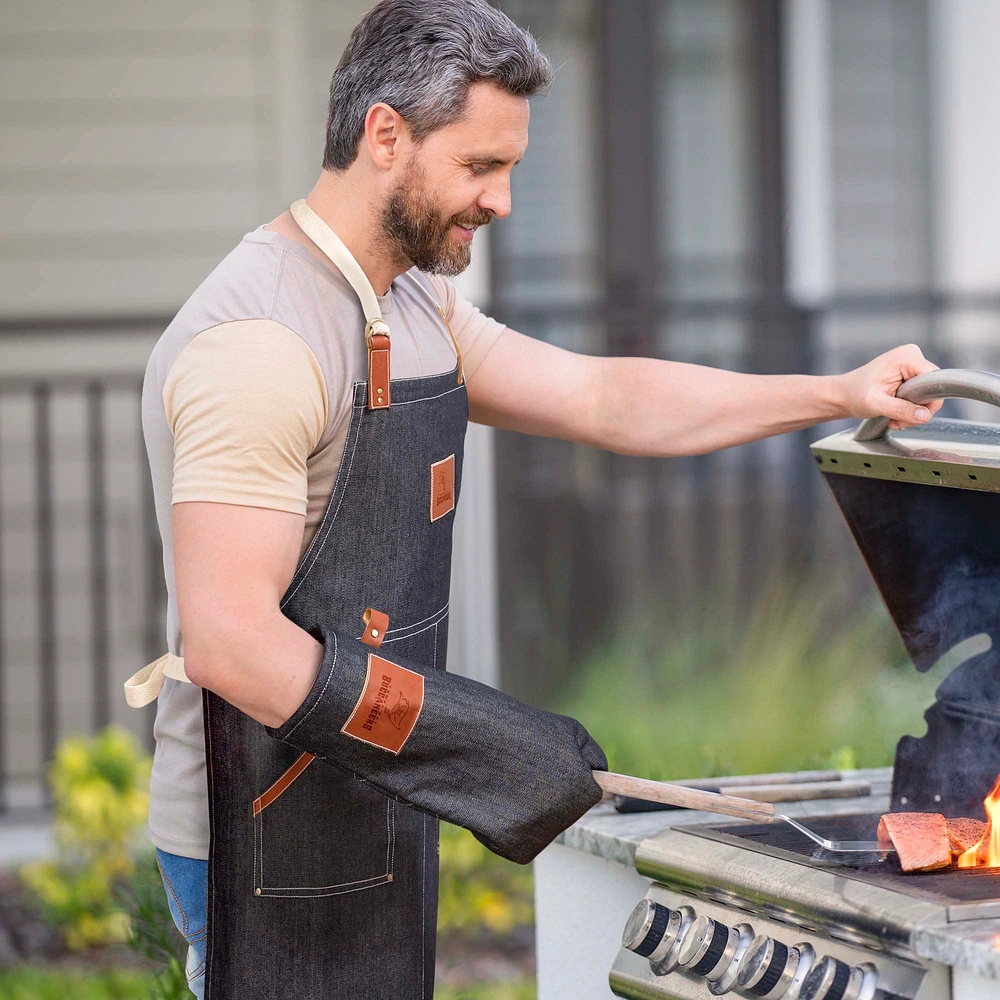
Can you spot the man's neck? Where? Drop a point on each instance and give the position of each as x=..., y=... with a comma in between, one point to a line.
x=345, y=204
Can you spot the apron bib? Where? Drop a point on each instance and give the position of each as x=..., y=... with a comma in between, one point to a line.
x=320, y=886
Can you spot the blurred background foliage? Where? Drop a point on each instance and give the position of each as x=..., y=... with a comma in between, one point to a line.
x=100, y=798
x=709, y=692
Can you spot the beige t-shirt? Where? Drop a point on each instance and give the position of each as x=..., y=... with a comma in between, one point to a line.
x=247, y=400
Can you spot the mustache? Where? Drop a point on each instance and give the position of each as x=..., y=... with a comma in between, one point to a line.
x=482, y=218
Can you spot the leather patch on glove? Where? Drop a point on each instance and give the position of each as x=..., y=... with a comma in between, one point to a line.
x=389, y=705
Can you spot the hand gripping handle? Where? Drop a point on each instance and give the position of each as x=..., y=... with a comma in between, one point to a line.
x=947, y=383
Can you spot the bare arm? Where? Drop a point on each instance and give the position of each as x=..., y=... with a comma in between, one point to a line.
x=643, y=406
x=232, y=565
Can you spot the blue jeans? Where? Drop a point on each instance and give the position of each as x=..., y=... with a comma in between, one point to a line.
x=186, y=883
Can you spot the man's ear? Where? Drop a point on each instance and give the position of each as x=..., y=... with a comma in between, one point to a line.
x=384, y=130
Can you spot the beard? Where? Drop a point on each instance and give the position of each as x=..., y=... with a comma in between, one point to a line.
x=418, y=234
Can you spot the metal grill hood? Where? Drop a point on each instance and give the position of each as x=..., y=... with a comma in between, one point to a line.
x=924, y=508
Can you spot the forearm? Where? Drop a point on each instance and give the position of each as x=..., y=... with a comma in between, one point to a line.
x=665, y=408
x=264, y=667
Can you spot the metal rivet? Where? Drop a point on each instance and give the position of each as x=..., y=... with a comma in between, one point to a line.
x=379, y=391
x=903, y=800
x=388, y=878
x=257, y=891
x=937, y=798
x=374, y=633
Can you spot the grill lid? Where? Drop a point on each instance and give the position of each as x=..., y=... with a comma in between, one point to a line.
x=924, y=509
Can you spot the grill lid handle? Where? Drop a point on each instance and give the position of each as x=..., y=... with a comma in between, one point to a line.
x=947, y=383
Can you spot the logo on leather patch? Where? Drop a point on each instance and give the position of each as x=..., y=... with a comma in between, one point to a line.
x=442, y=487
x=389, y=705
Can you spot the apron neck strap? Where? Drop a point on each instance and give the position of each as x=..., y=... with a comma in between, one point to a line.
x=376, y=329
x=333, y=246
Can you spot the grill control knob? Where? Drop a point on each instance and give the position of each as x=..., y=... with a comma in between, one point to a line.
x=831, y=979
x=656, y=932
x=770, y=968
x=715, y=951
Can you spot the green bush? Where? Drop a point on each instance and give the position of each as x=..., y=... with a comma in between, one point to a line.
x=785, y=688
x=100, y=789
x=479, y=891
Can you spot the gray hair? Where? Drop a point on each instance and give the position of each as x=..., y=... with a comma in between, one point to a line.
x=420, y=57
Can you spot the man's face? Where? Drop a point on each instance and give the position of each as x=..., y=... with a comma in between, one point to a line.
x=456, y=180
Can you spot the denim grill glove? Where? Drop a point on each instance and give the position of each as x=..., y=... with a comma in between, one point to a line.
x=515, y=776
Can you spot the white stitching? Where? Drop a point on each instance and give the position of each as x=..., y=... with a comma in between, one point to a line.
x=422, y=620
x=417, y=378
x=410, y=635
x=427, y=399
x=307, y=895
x=347, y=478
x=388, y=838
x=438, y=617
x=333, y=885
x=320, y=696
x=392, y=856
x=434, y=662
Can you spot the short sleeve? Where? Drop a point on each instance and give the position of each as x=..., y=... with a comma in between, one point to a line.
x=475, y=332
x=247, y=404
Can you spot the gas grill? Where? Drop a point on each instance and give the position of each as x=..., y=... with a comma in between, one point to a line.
x=758, y=910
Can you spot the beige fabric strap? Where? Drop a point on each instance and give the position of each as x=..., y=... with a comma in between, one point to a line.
x=333, y=246
x=144, y=685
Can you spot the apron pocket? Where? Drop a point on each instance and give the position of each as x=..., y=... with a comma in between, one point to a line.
x=321, y=832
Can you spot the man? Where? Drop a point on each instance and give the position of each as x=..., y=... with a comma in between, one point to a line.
x=304, y=416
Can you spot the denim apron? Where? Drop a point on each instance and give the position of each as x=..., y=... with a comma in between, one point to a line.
x=319, y=886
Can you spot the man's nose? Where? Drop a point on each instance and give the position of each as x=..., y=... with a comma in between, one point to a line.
x=496, y=199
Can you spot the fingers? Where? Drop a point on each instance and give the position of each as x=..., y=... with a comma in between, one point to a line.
x=911, y=361
x=905, y=413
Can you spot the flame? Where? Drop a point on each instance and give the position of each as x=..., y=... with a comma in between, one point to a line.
x=988, y=847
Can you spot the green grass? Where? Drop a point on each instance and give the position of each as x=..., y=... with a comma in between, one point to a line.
x=783, y=690
x=490, y=991
x=26, y=983
x=34, y=984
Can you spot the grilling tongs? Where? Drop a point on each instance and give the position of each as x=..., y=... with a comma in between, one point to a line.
x=726, y=805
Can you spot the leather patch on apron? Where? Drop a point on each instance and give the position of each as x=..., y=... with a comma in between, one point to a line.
x=442, y=487
x=388, y=707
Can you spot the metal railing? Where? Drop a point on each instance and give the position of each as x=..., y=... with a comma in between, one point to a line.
x=81, y=579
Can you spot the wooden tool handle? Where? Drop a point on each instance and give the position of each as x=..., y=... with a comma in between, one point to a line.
x=686, y=798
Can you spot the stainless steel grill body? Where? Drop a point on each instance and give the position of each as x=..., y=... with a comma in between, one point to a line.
x=786, y=903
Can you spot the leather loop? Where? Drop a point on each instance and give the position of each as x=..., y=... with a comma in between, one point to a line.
x=376, y=625
x=378, y=372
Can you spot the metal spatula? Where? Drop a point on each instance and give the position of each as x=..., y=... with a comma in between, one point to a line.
x=843, y=846
x=726, y=805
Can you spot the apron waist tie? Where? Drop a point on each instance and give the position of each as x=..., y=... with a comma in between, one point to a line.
x=144, y=685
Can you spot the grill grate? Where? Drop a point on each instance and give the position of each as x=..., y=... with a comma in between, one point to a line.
x=955, y=885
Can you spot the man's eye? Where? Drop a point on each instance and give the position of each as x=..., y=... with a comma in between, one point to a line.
x=479, y=169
